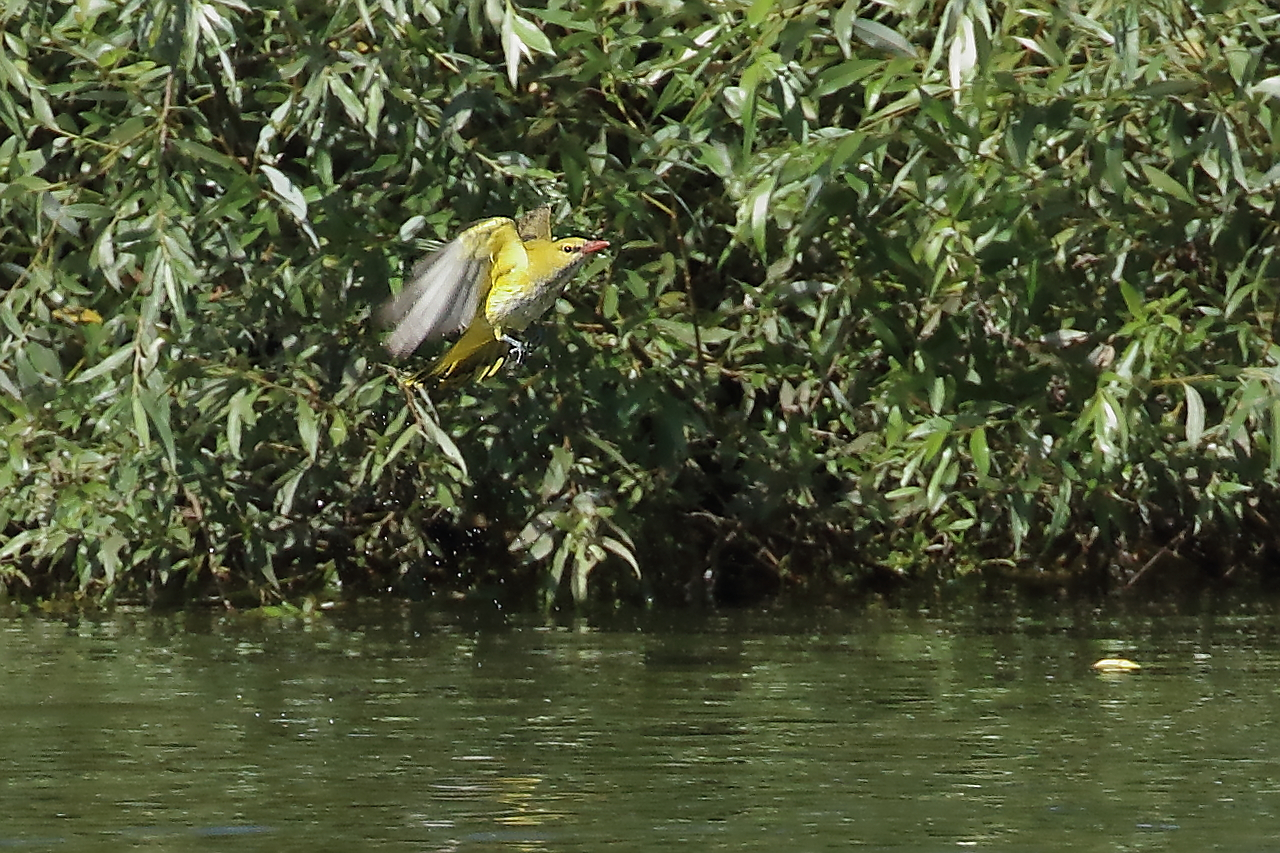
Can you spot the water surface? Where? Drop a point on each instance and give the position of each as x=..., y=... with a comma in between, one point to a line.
x=403, y=727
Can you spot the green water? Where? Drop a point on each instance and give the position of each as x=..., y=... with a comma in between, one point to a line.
x=412, y=729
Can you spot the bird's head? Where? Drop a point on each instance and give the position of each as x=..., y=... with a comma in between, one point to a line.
x=551, y=259
x=571, y=246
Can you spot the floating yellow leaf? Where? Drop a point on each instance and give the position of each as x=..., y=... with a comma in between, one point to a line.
x=1116, y=665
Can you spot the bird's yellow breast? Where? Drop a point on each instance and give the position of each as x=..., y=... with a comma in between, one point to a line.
x=527, y=277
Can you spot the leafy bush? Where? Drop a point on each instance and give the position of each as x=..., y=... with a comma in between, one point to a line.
x=1002, y=299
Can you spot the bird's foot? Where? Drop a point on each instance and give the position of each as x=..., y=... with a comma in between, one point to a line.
x=518, y=348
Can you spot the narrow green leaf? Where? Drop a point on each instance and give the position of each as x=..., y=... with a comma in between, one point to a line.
x=127, y=131
x=1162, y=89
x=40, y=107
x=839, y=78
x=21, y=542
x=365, y=18
x=1165, y=184
x=513, y=48
x=1089, y=25
x=582, y=566
x=308, y=427
x=842, y=25
x=938, y=395
x=935, y=497
x=350, y=101
x=1019, y=523
x=86, y=211
x=1269, y=86
x=402, y=441
x=436, y=433
x=196, y=151
x=559, y=560
x=107, y=365
x=1061, y=508
x=532, y=37
x=716, y=157
x=757, y=205
x=850, y=146
x=109, y=556
x=542, y=546
x=1114, y=163
x=758, y=11
x=1133, y=300
x=962, y=56
x=288, y=193
x=24, y=184
x=140, y=428
x=374, y=102
x=156, y=404
x=568, y=18
x=1195, y=414
x=980, y=453
x=337, y=428
x=1274, y=466
x=411, y=227
x=241, y=402
x=557, y=473
x=288, y=492
x=877, y=35
x=622, y=551
x=609, y=301
x=902, y=493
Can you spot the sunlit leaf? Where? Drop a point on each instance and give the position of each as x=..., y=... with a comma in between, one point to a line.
x=1195, y=414
x=285, y=189
x=877, y=35
x=107, y=365
x=757, y=207
x=962, y=56
x=1269, y=86
x=532, y=37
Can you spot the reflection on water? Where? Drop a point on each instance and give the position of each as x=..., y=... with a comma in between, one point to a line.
x=425, y=730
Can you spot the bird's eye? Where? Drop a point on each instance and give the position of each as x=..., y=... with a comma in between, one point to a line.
x=569, y=250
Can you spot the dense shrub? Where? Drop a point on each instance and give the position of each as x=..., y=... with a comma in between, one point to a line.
x=898, y=291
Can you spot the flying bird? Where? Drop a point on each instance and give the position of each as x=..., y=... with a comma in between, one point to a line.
x=490, y=282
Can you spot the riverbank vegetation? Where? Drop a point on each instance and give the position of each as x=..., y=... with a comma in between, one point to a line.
x=898, y=293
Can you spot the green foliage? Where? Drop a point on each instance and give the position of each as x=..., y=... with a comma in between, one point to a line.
x=912, y=290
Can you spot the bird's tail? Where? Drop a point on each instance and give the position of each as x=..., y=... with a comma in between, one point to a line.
x=479, y=353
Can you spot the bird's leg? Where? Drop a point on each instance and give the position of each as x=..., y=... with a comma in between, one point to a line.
x=517, y=348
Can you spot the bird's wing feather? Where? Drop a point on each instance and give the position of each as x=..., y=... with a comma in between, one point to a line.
x=445, y=288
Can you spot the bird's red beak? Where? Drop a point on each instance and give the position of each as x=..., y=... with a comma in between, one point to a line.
x=594, y=246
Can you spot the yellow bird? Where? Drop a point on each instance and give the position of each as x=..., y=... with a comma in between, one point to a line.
x=493, y=279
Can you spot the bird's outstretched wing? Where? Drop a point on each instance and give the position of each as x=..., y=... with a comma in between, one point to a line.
x=445, y=288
